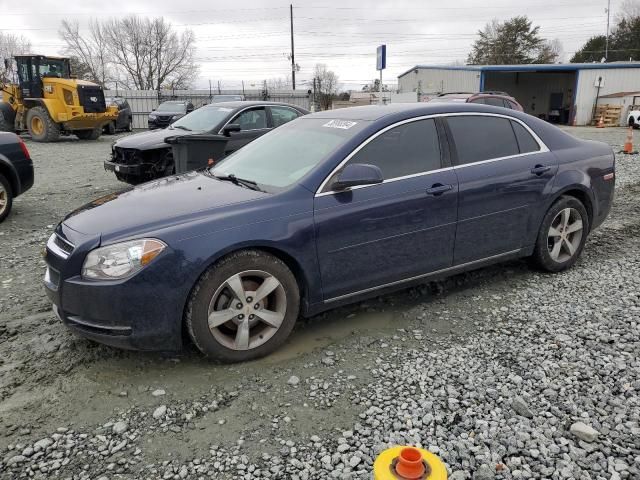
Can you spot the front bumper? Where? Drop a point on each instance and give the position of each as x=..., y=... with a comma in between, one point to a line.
x=143, y=312
x=135, y=169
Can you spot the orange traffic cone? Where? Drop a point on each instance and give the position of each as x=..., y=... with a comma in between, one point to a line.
x=600, y=122
x=628, y=145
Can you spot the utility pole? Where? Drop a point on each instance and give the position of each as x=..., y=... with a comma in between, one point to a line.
x=210, y=96
x=293, y=58
x=243, y=88
x=219, y=92
x=606, y=43
x=313, y=105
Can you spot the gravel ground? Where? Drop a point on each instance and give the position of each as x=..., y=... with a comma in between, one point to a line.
x=504, y=372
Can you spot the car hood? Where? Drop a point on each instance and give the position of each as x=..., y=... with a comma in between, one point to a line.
x=152, y=138
x=157, y=204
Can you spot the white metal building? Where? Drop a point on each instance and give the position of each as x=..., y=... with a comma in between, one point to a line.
x=565, y=92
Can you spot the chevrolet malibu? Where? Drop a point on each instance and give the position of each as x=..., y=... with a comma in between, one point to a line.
x=331, y=208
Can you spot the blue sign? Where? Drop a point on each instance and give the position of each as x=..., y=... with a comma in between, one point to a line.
x=381, y=57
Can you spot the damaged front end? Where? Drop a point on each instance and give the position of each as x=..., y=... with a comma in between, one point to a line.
x=135, y=166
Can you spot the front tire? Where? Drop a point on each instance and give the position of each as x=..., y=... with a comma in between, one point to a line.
x=632, y=123
x=41, y=126
x=562, y=235
x=243, y=307
x=110, y=128
x=6, y=198
x=93, y=134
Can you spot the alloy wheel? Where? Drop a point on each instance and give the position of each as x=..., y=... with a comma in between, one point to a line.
x=565, y=235
x=247, y=310
x=4, y=199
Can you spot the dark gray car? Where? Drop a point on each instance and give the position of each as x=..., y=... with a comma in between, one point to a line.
x=168, y=112
x=146, y=156
x=124, y=122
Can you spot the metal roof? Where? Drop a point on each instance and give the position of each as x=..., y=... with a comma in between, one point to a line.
x=539, y=67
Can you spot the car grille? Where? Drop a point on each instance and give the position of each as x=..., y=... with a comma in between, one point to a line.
x=163, y=119
x=125, y=156
x=92, y=99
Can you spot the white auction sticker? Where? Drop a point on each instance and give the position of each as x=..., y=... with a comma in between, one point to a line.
x=343, y=124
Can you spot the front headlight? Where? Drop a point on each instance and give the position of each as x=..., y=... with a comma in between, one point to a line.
x=152, y=116
x=121, y=260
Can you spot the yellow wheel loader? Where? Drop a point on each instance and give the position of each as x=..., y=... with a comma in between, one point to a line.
x=48, y=103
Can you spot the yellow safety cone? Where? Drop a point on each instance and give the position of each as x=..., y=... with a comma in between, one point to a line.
x=408, y=463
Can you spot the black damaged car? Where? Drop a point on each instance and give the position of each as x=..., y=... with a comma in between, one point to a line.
x=146, y=156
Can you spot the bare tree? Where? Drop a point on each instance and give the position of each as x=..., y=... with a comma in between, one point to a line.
x=152, y=54
x=326, y=85
x=90, y=50
x=11, y=45
x=140, y=53
x=628, y=9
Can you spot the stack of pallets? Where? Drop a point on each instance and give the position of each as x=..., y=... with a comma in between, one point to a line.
x=609, y=113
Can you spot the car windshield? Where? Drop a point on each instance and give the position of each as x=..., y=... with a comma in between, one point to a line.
x=171, y=107
x=283, y=156
x=204, y=119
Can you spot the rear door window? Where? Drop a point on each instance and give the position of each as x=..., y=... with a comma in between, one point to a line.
x=494, y=101
x=404, y=150
x=282, y=115
x=478, y=138
x=525, y=141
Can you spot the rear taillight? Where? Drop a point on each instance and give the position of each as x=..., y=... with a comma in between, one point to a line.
x=23, y=147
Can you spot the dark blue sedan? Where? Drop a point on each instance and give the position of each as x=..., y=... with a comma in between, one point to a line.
x=328, y=209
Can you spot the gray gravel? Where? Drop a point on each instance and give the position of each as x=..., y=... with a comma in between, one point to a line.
x=506, y=373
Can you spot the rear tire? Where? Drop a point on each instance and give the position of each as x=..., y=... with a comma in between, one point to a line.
x=562, y=235
x=6, y=198
x=41, y=126
x=88, y=134
x=632, y=123
x=245, y=323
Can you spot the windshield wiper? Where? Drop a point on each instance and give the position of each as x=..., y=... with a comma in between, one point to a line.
x=239, y=181
x=181, y=127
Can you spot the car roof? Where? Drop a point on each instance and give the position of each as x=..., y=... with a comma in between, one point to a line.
x=176, y=102
x=250, y=103
x=407, y=110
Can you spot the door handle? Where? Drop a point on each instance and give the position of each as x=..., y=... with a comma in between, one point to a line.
x=540, y=169
x=438, y=189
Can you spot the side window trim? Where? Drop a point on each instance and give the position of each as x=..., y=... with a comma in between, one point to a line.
x=451, y=147
x=457, y=165
x=323, y=185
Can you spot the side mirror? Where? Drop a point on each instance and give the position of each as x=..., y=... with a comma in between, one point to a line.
x=357, y=174
x=232, y=127
x=153, y=109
